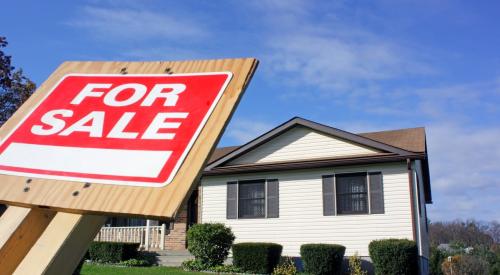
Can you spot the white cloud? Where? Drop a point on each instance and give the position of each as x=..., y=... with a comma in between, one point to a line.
x=134, y=23
x=325, y=50
x=244, y=130
x=464, y=171
x=330, y=61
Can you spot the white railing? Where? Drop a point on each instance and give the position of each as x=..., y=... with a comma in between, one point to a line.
x=149, y=237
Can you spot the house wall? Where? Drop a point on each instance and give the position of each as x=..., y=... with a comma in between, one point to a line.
x=176, y=238
x=301, y=217
x=301, y=143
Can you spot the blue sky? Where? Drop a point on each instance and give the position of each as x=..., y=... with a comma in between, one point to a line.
x=355, y=65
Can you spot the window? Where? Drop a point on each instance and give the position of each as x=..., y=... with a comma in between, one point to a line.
x=252, y=199
x=352, y=193
x=249, y=199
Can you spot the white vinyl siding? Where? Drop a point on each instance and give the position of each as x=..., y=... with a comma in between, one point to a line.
x=301, y=217
x=302, y=143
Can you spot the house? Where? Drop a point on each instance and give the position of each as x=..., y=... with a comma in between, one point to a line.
x=305, y=182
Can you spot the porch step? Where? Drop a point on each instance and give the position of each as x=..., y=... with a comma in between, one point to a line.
x=172, y=258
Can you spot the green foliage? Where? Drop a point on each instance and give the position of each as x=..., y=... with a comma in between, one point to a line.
x=394, y=256
x=112, y=252
x=193, y=265
x=322, y=259
x=225, y=269
x=285, y=267
x=495, y=268
x=99, y=269
x=436, y=259
x=355, y=265
x=15, y=88
x=134, y=262
x=210, y=243
x=259, y=258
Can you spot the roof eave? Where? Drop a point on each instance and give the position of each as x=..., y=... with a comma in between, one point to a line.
x=308, y=164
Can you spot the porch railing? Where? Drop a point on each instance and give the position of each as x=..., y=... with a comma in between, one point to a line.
x=149, y=237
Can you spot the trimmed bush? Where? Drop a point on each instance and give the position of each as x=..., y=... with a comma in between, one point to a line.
x=322, y=259
x=112, y=252
x=394, y=256
x=259, y=258
x=210, y=243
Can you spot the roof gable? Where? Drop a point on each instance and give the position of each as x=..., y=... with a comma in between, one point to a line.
x=350, y=138
x=302, y=143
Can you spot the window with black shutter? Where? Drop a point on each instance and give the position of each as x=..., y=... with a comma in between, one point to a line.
x=252, y=199
x=352, y=193
x=249, y=199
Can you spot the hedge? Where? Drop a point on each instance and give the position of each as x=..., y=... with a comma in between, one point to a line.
x=112, y=252
x=259, y=258
x=210, y=243
x=322, y=259
x=394, y=256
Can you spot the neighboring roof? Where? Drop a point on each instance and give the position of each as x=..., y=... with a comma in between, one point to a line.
x=221, y=151
x=411, y=139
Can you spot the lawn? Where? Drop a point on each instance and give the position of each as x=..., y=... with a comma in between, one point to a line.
x=90, y=269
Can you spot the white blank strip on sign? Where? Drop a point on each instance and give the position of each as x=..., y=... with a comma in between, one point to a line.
x=116, y=162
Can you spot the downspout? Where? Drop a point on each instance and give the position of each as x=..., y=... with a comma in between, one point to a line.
x=412, y=198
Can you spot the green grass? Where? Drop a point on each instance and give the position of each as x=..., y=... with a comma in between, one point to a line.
x=90, y=269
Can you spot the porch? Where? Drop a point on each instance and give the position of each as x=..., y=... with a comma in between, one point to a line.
x=152, y=235
x=149, y=237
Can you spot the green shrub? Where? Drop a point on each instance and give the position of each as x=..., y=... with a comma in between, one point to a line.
x=322, y=259
x=394, y=256
x=355, y=265
x=436, y=259
x=193, y=265
x=285, y=267
x=210, y=243
x=134, y=262
x=259, y=258
x=112, y=252
x=225, y=269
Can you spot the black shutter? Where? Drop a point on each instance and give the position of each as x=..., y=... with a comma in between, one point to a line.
x=273, y=199
x=232, y=200
x=328, y=195
x=376, y=193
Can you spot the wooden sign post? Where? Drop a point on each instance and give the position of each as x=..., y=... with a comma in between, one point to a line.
x=107, y=138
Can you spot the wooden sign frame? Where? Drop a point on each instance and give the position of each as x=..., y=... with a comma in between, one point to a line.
x=151, y=202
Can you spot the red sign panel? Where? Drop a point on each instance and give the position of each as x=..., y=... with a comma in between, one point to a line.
x=117, y=129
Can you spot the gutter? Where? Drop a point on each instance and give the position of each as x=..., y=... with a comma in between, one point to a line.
x=412, y=198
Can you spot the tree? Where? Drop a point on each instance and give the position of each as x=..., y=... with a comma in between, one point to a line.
x=15, y=88
x=465, y=233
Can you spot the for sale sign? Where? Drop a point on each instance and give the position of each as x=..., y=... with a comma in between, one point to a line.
x=116, y=129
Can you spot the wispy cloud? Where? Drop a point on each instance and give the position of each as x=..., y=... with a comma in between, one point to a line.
x=135, y=23
x=464, y=171
x=332, y=54
x=330, y=61
x=244, y=130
